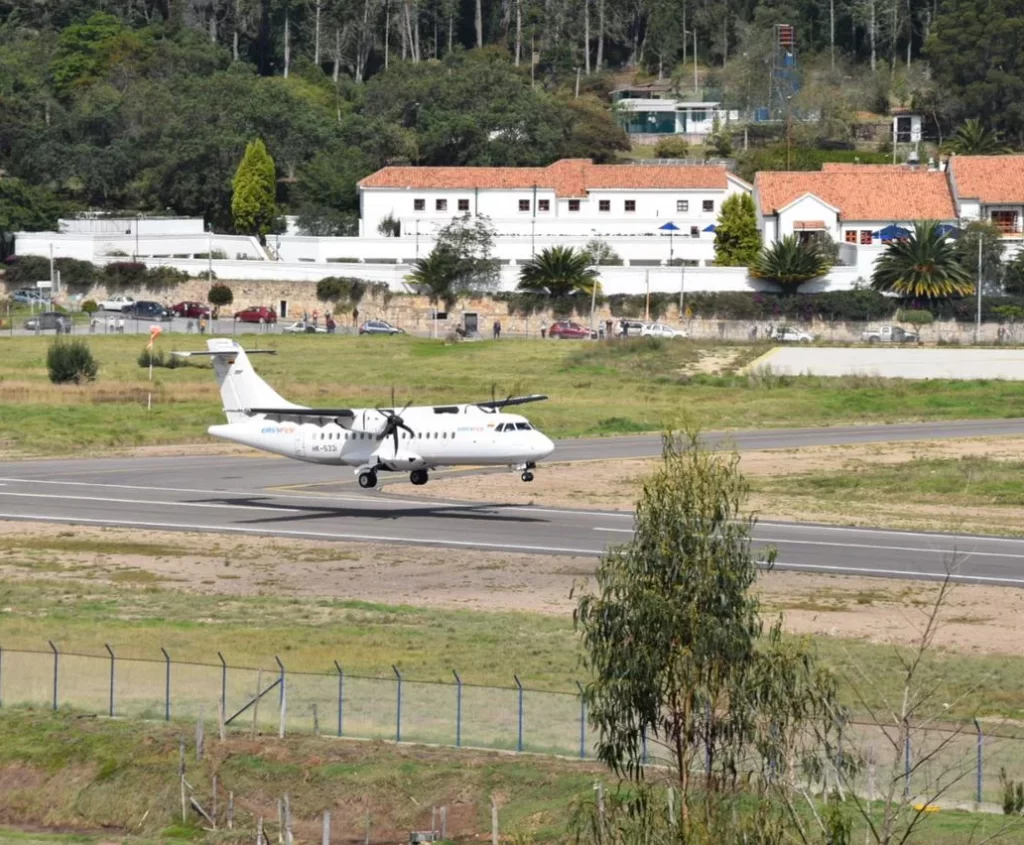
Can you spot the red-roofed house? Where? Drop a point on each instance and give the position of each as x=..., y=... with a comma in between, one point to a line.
x=989, y=188
x=571, y=197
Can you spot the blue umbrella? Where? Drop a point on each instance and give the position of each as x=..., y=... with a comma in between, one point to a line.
x=892, y=232
x=710, y=228
x=671, y=228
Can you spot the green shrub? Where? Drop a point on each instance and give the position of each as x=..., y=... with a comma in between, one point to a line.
x=90, y=306
x=70, y=362
x=125, y=275
x=917, y=317
x=220, y=295
x=147, y=357
x=671, y=147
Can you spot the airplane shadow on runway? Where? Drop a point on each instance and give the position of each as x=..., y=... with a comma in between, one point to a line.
x=311, y=512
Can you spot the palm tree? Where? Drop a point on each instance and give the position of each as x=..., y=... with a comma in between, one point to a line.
x=926, y=264
x=435, y=276
x=790, y=262
x=973, y=139
x=560, y=271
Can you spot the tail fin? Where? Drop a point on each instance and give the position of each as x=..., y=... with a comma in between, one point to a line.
x=240, y=387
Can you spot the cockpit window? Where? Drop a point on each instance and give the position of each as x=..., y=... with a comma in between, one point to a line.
x=524, y=426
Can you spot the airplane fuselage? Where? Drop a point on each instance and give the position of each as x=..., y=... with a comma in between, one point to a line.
x=441, y=436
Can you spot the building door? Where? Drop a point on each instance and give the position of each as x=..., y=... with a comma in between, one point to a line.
x=282, y=312
x=470, y=323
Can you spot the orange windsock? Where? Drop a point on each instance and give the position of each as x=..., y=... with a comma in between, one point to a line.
x=154, y=333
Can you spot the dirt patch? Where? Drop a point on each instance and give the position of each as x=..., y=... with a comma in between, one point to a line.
x=977, y=619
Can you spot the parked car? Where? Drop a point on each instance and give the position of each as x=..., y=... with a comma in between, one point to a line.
x=661, y=330
x=567, y=329
x=118, y=302
x=379, y=327
x=631, y=328
x=147, y=310
x=28, y=296
x=191, y=309
x=49, y=321
x=256, y=314
x=304, y=327
x=889, y=334
x=789, y=334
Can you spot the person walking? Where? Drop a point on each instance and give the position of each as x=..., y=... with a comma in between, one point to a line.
x=202, y=325
x=543, y=329
x=497, y=329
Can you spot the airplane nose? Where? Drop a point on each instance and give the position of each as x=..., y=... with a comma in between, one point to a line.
x=544, y=446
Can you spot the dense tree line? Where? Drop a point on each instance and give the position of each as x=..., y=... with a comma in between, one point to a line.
x=149, y=104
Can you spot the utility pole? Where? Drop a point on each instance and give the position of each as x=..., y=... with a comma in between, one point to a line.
x=977, y=324
x=789, y=129
x=682, y=290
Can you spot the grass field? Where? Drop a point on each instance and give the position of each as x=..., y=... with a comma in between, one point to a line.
x=595, y=389
x=138, y=616
x=111, y=779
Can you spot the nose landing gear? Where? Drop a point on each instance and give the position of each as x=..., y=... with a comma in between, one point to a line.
x=525, y=470
x=527, y=476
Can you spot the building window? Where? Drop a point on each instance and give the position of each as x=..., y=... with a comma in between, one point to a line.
x=630, y=205
x=851, y=236
x=543, y=205
x=1004, y=221
x=524, y=205
x=709, y=205
x=419, y=205
x=604, y=205
x=695, y=231
x=574, y=205
x=440, y=205
x=865, y=237
x=682, y=205
x=463, y=205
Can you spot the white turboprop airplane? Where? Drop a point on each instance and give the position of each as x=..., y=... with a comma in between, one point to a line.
x=413, y=440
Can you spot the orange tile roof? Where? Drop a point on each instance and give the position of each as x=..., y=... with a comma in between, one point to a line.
x=991, y=179
x=862, y=194
x=569, y=177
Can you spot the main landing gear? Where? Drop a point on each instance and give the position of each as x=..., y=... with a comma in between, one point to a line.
x=367, y=479
x=419, y=477
x=527, y=475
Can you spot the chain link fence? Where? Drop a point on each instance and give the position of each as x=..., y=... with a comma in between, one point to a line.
x=962, y=762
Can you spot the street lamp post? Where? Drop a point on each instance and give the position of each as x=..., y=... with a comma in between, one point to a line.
x=977, y=324
x=694, y=33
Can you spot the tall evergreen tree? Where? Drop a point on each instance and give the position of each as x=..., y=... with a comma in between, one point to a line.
x=253, y=204
x=737, y=241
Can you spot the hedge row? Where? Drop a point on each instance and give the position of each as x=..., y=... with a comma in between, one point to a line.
x=79, y=276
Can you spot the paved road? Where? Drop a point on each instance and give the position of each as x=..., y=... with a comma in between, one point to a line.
x=269, y=496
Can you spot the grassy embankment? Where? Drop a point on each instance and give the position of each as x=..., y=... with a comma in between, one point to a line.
x=608, y=388
x=117, y=780
x=138, y=617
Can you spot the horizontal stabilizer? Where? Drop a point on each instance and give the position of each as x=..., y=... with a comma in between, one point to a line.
x=208, y=354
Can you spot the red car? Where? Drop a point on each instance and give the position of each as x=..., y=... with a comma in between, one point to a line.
x=191, y=309
x=568, y=329
x=256, y=314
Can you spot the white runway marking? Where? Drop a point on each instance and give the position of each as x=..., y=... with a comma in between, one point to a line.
x=144, y=502
x=315, y=535
x=900, y=573
x=965, y=552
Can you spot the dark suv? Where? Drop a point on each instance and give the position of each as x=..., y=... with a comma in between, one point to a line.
x=49, y=321
x=146, y=310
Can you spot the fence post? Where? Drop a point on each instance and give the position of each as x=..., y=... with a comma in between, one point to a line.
x=223, y=683
x=341, y=696
x=583, y=722
x=398, y=715
x=325, y=838
x=977, y=727
x=167, y=685
x=519, y=709
x=282, y=701
x=110, y=651
x=1, y=677
x=458, y=709
x=56, y=657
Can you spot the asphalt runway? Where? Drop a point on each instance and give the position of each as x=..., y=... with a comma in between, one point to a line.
x=275, y=496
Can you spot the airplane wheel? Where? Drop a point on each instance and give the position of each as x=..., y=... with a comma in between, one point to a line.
x=367, y=479
x=527, y=476
x=418, y=477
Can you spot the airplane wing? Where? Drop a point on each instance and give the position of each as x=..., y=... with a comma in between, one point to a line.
x=304, y=412
x=498, y=404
